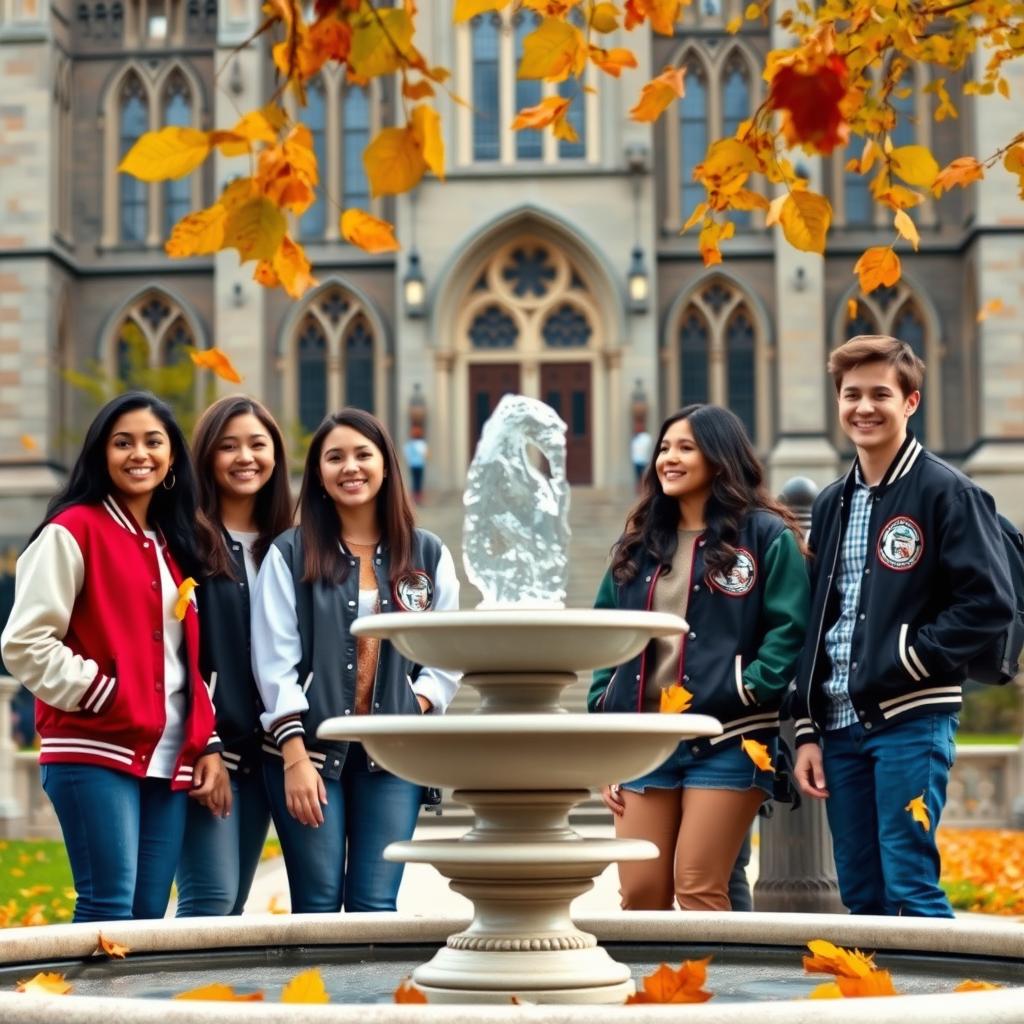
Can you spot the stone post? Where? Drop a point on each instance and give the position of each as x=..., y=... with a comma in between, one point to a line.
x=10, y=810
x=796, y=872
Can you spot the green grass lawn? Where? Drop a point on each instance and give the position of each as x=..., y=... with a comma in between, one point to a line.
x=974, y=739
x=35, y=883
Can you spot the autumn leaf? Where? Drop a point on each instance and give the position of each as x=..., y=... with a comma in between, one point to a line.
x=758, y=753
x=543, y=114
x=915, y=165
x=394, y=162
x=307, y=987
x=167, y=154
x=255, y=229
x=291, y=269
x=810, y=102
x=851, y=309
x=218, y=362
x=907, y=229
x=553, y=51
x=991, y=308
x=734, y=24
x=711, y=234
x=185, y=591
x=875, y=983
x=426, y=130
x=698, y=212
x=466, y=9
x=218, y=993
x=684, y=984
x=380, y=41
x=604, y=18
x=198, y=234
x=827, y=990
x=976, y=986
x=877, y=266
x=614, y=60
x=117, y=950
x=827, y=958
x=675, y=699
x=919, y=812
x=368, y=233
x=48, y=982
x=805, y=218
x=29, y=443
x=658, y=93
x=407, y=992
x=774, y=214
x=275, y=907
x=962, y=171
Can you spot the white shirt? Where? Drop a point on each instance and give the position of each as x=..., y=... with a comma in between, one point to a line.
x=247, y=539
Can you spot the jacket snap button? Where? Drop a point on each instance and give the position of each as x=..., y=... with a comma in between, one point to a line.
x=157, y=635
x=379, y=562
x=696, y=588
x=638, y=676
x=350, y=666
x=686, y=679
x=648, y=580
x=693, y=636
x=867, y=572
x=862, y=616
x=694, y=750
x=867, y=725
x=854, y=665
x=351, y=604
x=384, y=601
x=145, y=757
x=352, y=562
x=337, y=764
x=155, y=585
x=348, y=711
x=145, y=543
x=377, y=706
x=241, y=584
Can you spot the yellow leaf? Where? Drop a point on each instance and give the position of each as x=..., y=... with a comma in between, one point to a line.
x=758, y=753
x=604, y=18
x=827, y=990
x=805, y=219
x=775, y=209
x=374, y=41
x=1014, y=159
x=919, y=812
x=394, y=162
x=698, y=211
x=851, y=309
x=752, y=12
x=675, y=699
x=307, y=987
x=614, y=60
x=407, y=992
x=274, y=906
x=426, y=129
x=553, y=51
x=562, y=128
x=466, y=9
x=907, y=228
x=878, y=265
x=291, y=268
x=733, y=25
x=117, y=950
x=218, y=993
x=368, y=233
x=744, y=199
x=827, y=958
x=991, y=308
x=29, y=443
x=915, y=165
x=543, y=114
x=198, y=234
x=214, y=359
x=658, y=93
x=417, y=90
x=265, y=275
x=49, y=982
x=975, y=986
x=168, y=153
x=961, y=171
x=875, y=983
x=255, y=228
x=711, y=234
x=185, y=591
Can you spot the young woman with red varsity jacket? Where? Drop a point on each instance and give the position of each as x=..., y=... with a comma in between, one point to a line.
x=101, y=634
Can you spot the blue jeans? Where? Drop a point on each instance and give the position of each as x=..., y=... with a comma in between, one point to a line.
x=730, y=768
x=887, y=862
x=220, y=855
x=341, y=863
x=123, y=836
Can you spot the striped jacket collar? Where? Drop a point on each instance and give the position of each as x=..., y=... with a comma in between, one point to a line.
x=904, y=460
x=119, y=512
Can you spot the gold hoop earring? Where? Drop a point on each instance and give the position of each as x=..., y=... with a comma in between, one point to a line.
x=169, y=486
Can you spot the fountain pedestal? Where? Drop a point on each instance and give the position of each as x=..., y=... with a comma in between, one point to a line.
x=521, y=762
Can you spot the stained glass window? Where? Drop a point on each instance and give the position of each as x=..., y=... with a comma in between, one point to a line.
x=529, y=271
x=566, y=327
x=735, y=110
x=492, y=327
x=529, y=91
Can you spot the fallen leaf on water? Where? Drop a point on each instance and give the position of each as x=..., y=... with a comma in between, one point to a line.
x=684, y=984
x=919, y=812
x=215, y=360
x=975, y=986
x=50, y=983
x=217, y=993
x=307, y=987
x=758, y=753
x=827, y=958
x=874, y=983
x=112, y=948
x=407, y=992
x=827, y=990
x=675, y=699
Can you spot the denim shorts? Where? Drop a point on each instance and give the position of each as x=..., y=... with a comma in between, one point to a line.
x=730, y=768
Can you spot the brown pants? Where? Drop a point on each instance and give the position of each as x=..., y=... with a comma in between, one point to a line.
x=698, y=833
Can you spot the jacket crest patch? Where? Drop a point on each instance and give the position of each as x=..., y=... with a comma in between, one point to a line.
x=900, y=544
x=414, y=591
x=740, y=579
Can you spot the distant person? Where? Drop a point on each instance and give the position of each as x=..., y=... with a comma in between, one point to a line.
x=356, y=552
x=705, y=541
x=909, y=582
x=640, y=454
x=416, y=454
x=244, y=503
x=103, y=637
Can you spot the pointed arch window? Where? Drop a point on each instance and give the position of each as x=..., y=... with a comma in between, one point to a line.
x=314, y=220
x=132, y=354
x=312, y=360
x=693, y=134
x=735, y=110
x=529, y=91
x=741, y=370
x=133, y=199
x=694, y=342
x=359, y=365
x=486, y=47
x=177, y=112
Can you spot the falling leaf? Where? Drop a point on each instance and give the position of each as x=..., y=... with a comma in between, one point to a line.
x=915, y=165
x=553, y=51
x=907, y=228
x=50, y=983
x=407, y=992
x=805, y=218
x=167, y=154
x=548, y=110
x=851, y=309
x=217, y=361
x=658, y=93
x=368, y=233
x=218, y=993
x=975, y=986
x=758, y=753
x=426, y=129
x=290, y=268
x=919, y=812
x=711, y=234
x=878, y=265
x=991, y=308
x=112, y=948
x=185, y=591
x=962, y=171
x=675, y=699
x=307, y=987
x=811, y=102
x=684, y=984
x=198, y=234
x=614, y=60
x=29, y=443
x=255, y=229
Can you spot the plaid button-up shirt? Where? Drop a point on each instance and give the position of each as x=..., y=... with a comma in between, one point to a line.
x=838, y=640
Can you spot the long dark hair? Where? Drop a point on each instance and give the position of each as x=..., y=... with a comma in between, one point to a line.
x=737, y=488
x=171, y=511
x=273, y=506
x=319, y=518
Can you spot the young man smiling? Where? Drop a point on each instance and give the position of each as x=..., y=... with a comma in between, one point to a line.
x=908, y=583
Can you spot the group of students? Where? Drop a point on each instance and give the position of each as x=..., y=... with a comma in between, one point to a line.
x=176, y=723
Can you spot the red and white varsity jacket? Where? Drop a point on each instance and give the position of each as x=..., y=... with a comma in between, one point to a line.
x=86, y=637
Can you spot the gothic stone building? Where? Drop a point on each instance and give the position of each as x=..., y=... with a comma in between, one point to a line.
x=551, y=268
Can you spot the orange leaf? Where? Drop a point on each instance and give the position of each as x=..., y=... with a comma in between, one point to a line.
x=675, y=699
x=851, y=309
x=613, y=61
x=394, y=161
x=711, y=234
x=907, y=228
x=49, y=982
x=218, y=993
x=425, y=125
x=827, y=958
x=274, y=906
x=827, y=990
x=28, y=442
x=919, y=812
x=198, y=234
x=214, y=359
x=658, y=93
x=407, y=992
x=684, y=984
x=553, y=51
x=291, y=268
x=368, y=233
x=265, y=275
x=975, y=986
x=185, y=591
x=992, y=307
x=875, y=983
x=811, y=102
x=541, y=115
x=962, y=171
x=255, y=228
x=758, y=753
x=417, y=90
x=307, y=987
x=116, y=949
x=878, y=265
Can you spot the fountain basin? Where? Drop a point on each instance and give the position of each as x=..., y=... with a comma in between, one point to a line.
x=755, y=956
x=518, y=751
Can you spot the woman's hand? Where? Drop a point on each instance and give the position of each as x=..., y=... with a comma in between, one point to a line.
x=425, y=706
x=304, y=789
x=612, y=797
x=211, y=785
